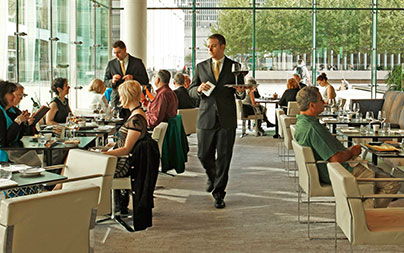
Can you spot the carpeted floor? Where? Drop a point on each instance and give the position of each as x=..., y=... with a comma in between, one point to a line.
x=260, y=213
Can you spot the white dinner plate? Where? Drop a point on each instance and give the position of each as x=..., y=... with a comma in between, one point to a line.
x=32, y=172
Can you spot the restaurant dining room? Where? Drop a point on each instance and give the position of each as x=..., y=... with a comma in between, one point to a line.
x=201, y=126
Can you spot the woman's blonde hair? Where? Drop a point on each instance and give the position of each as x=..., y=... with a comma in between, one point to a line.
x=97, y=85
x=129, y=91
x=292, y=84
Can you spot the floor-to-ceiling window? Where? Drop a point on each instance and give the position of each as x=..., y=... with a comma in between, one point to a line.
x=46, y=39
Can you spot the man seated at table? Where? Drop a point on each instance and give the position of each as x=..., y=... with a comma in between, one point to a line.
x=309, y=132
x=184, y=100
x=164, y=104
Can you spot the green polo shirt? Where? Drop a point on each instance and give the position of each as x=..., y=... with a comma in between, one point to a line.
x=310, y=133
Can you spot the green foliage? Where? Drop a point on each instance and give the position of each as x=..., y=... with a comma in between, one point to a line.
x=236, y=27
x=349, y=31
x=395, y=78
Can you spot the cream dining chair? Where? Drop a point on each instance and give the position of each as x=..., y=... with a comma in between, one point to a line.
x=56, y=221
x=375, y=226
x=309, y=183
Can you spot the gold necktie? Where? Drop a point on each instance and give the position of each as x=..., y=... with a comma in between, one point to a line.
x=216, y=70
x=123, y=67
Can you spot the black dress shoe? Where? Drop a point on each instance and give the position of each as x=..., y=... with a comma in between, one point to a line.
x=209, y=186
x=219, y=203
x=269, y=124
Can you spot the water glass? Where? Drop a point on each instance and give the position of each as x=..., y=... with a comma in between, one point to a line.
x=362, y=129
x=42, y=139
x=386, y=127
x=5, y=173
x=359, y=116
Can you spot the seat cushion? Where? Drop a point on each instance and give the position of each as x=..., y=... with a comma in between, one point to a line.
x=385, y=219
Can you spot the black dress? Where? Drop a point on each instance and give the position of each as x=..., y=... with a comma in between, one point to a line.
x=138, y=123
x=63, y=110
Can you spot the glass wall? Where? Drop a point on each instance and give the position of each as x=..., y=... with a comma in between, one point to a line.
x=333, y=36
x=53, y=38
x=45, y=39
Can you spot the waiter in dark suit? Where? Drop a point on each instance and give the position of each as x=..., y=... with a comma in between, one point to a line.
x=123, y=67
x=217, y=122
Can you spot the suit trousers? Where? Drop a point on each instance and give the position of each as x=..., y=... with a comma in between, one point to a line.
x=215, y=150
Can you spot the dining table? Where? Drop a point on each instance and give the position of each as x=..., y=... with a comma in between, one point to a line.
x=31, y=143
x=354, y=132
x=334, y=122
x=270, y=100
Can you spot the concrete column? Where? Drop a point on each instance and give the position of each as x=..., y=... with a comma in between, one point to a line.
x=134, y=28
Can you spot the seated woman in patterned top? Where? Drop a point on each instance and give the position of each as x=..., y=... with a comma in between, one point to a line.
x=134, y=129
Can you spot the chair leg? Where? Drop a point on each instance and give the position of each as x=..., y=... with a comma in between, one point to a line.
x=308, y=216
x=299, y=199
x=117, y=218
x=336, y=229
x=243, y=128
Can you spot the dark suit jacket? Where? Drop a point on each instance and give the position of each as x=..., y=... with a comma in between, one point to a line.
x=184, y=100
x=288, y=95
x=221, y=101
x=135, y=68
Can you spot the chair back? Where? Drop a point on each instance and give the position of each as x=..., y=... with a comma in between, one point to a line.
x=309, y=179
x=293, y=109
x=287, y=135
x=56, y=221
x=175, y=146
x=345, y=185
x=292, y=131
x=159, y=132
x=81, y=163
x=189, y=118
x=239, y=109
x=279, y=112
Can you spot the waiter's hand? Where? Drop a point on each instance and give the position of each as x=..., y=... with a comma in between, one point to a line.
x=203, y=87
x=127, y=77
x=115, y=78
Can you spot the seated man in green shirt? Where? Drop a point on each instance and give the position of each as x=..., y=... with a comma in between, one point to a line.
x=309, y=132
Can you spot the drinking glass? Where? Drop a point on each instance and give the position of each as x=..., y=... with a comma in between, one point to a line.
x=369, y=117
x=42, y=140
x=386, y=127
x=244, y=69
x=235, y=69
x=381, y=116
x=5, y=173
x=356, y=108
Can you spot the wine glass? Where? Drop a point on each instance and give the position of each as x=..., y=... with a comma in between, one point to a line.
x=381, y=116
x=369, y=117
x=244, y=69
x=235, y=69
x=356, y=108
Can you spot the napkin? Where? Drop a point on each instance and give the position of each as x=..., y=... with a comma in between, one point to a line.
x=208, y=92
x=358, y=160
x=7, y=182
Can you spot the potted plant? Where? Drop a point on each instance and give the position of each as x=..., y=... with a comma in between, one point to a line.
x=395, y=77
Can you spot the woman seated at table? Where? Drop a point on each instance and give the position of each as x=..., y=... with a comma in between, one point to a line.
x=14, y=111
x=329, y=92
x=10, y=130
x=29, y=157
x=98, y=101
x=134, y=129
x=249, y=105
x=292, y=88
x=59, y=106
